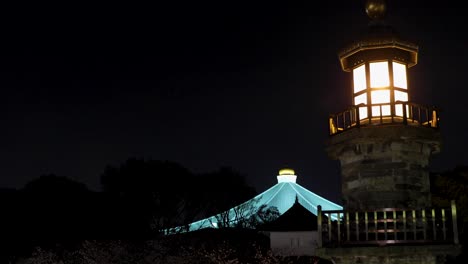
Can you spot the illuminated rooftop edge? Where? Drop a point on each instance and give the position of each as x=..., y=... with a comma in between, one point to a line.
x=282, y=196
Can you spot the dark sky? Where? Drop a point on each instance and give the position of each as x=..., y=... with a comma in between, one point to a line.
x=246, y=84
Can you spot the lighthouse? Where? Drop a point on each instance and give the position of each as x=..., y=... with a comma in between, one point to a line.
x=385, y=141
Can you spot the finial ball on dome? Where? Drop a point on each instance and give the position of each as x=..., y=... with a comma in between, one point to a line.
x=376, y=9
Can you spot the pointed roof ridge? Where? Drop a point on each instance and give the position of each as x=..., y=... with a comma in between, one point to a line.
x=282, y=195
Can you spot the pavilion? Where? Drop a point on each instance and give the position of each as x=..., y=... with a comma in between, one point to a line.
x=282, y=195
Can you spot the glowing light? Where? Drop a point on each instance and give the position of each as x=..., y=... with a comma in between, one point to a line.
x=359, y=78
x=379, y=76
x=399, y=76
x=385, y=110
x=362, y=112
x=380, y=97
x=286, y=178
x=286, y=175
x=401, y=96
x=286, y=172
x=361, y=99
x=399, y=110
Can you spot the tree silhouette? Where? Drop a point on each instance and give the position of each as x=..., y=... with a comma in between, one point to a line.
x=55, y=208
x=52, y=184
x=264, y=215
x=48, y=210
x=224, y=189
x=151, y=194
x=452, y=185
x=155, y=195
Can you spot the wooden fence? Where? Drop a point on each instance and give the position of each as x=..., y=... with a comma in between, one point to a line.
x=387, y=226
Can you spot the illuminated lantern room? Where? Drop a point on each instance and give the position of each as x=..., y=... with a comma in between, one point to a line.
x=379, y=62
x=384, y=141
x=380, y=84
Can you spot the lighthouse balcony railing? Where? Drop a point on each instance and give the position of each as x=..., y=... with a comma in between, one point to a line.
x=387, y=226
x=384, y=114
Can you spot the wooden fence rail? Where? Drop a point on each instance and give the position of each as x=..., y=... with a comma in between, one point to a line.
x=411, y=114
x=388, y=226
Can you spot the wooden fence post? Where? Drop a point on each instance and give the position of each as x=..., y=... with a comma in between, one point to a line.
x=454, y=222
x=319, y=225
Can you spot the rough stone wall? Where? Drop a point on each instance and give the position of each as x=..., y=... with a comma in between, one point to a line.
x=385, y=166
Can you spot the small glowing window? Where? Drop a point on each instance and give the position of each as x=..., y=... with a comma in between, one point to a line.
x=399, y=110
x=359, y=78
x=385, y=110
x=362, y=112
x=399, y=75
x=360, y=99
x=401, y=96
x=379, y=74
x=380, y=97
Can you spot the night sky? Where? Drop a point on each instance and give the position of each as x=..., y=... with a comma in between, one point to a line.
x=245, y=84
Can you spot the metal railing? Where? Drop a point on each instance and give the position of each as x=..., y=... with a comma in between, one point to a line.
x=411, y=114
x=387, y=226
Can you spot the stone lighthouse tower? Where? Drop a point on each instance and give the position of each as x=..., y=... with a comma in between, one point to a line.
x=385, y=141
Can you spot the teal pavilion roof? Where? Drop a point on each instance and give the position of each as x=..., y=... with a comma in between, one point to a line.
x=282, y=195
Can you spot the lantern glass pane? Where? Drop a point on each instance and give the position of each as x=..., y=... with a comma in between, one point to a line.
x=380, y=97
x=362, y=113
x=399, y=75
x=360, y=99
x=401, y=96
x=379, y=76
x=399, y=110
x=385, y=110
x=359, y=78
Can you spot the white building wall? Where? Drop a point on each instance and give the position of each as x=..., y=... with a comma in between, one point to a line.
x=294, y=243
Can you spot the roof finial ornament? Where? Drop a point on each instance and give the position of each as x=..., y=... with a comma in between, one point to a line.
x=376, y=9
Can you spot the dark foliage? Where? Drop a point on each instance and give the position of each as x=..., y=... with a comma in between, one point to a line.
x=155, y=195
x=139, y=198
x=453, y=185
